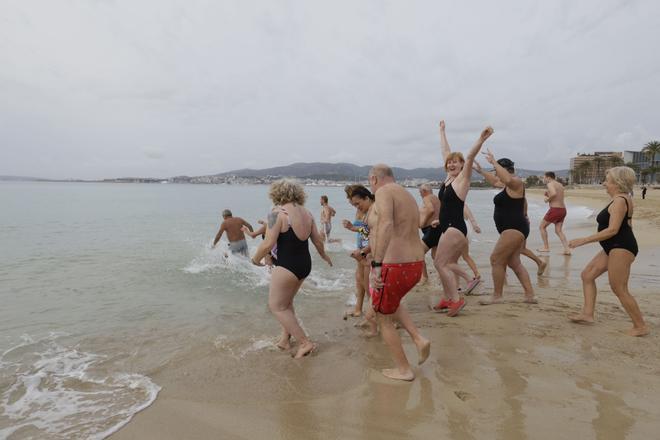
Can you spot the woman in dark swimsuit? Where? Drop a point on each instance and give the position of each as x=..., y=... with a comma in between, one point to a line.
x=290, y=226
x=510, y=217
x=616, y=237
x=453, y=240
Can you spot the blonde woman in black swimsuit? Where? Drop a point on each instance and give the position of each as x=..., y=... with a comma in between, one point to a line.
x=619, y=245
x=290, y=227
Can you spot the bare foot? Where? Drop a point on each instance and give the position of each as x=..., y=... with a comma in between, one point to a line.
x=394, y=373
x=542, y=267
x=567, y=252
x=305, y=349
x=579, y=318
x=530, y=300
x=492, y=300
x=423, y=351
x=352, y=314
x=543, y=250
x=423, y=281
x=284, y=343
x=638, y=331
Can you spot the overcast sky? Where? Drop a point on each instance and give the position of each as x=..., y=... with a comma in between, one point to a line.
x=95, y=89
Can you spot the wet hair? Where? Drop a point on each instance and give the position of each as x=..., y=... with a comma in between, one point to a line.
x=325, y=199
x=550, y=174
x=623, y=177
x=285, y=191
x=226, y=213
x=358, y=191
x=453, y=156
x=507, y=164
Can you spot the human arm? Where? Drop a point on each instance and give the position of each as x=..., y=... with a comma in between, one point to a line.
x=444, y=143
x=246, y=224
x=254, y=234
x=466, y=173
x=618, y=211
x=349, y=225
x=473, y=221
x=317, y=241
x=488, y=177
x=509, y=180
x=219, y=234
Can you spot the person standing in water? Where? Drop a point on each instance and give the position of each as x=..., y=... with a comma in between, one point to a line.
x=619, y=249
x=556, y=214
x=327, y=212
x=290, y=227
x=398, y=259
x=453, y=240
x=233, y=226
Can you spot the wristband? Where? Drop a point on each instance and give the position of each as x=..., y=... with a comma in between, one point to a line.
x=376, y=264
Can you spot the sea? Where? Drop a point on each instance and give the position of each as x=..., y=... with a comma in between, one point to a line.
x=102, y=284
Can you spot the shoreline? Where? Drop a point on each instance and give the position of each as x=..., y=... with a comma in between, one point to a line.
x=521, y=370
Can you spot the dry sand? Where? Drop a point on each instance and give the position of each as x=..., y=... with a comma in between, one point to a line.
x=510, y=371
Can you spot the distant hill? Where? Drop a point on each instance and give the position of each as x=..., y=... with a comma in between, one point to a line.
x=347, y=171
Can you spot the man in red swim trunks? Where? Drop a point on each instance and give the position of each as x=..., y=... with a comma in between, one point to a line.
x=554, y=196
x=398, y=260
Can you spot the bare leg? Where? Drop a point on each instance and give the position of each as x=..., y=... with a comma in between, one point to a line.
x=359, y=290
x=544, y=236
x=450, y=248
x=509, y=242
x=470, y=262
x=520, y=271
x=283, y=287
x=618, y=271
x=541, y=265
x=393, y=341
x=562, y=238
x=423, y=345
x=595, y=268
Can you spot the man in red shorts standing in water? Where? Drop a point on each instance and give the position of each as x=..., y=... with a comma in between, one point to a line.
x=554, y=196
x=398, y=260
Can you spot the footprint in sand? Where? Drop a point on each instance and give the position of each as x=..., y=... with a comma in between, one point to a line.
x=463, y=395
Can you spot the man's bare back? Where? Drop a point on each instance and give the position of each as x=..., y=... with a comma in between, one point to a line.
x=396, y=203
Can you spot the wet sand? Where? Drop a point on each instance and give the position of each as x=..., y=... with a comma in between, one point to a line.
x=509, y=371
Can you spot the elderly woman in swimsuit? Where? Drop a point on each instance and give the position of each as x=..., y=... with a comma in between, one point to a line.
x=290, y=226
x=453, y=240
x=511, y=221
x=616, y=237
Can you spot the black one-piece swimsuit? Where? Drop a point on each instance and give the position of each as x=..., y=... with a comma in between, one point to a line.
x=624, y=239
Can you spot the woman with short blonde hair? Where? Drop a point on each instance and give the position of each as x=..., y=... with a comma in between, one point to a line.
x=616, y=237
x=288, y=222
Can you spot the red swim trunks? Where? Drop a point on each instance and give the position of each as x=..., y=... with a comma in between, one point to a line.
x=555, y=215
x=399, y=279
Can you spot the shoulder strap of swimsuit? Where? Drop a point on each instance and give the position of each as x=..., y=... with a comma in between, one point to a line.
x=627, y=207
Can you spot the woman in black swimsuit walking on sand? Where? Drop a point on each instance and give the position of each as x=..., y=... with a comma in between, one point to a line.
x=511, y=221
x=290, y=226
x=619, y=245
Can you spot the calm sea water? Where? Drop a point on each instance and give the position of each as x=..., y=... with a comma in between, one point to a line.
x=103, y=283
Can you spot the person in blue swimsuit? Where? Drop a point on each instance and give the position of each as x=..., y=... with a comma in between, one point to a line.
x=453, y=240
x=362, y=199
x=510, y=217
x=619, y=249
x=290, y=227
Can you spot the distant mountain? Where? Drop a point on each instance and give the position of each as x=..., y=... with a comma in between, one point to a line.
x=347, y=171
x=20, y=179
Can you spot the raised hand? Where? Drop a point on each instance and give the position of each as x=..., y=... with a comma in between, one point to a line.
x=477, y=167
x=442, y=125
x=485, y=134
x=490, y=158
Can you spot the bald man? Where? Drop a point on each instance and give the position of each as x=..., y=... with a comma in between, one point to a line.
x=398, y=259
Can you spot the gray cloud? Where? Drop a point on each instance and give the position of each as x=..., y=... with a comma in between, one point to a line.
x=223, y=85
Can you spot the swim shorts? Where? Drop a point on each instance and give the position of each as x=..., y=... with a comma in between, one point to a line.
x=327, y=227
x=431, y=236
x=398, y=279
x=239, y=247
x=555, y=215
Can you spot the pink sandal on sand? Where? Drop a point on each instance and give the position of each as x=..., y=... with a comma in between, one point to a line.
x=471, y=285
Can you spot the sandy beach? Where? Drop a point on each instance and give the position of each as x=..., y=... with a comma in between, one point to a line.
x=509, y=371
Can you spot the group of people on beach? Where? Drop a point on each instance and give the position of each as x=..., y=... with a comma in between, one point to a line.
x=390, y=254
